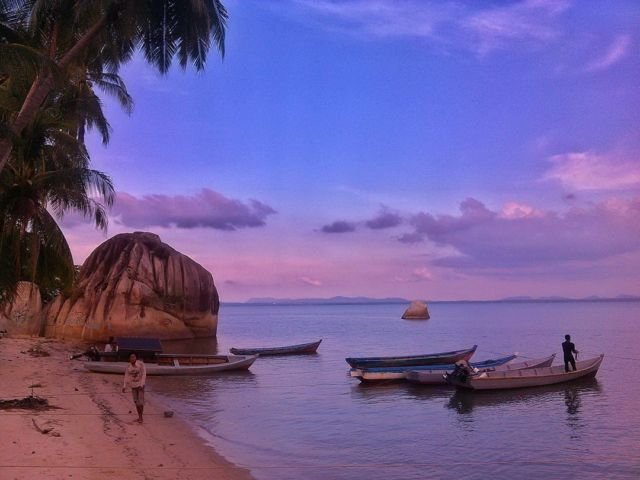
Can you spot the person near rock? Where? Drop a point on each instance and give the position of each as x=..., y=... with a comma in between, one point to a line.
x=135, y=377
x=568, y=348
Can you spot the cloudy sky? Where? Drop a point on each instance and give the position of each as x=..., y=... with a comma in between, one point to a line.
x=428, y=149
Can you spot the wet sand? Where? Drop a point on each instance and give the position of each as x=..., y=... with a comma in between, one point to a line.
x=92, y=434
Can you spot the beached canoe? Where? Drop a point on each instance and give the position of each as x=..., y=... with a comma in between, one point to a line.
x=534, y=377
x=442, y=358
x=436, y=377
x=181, y=364
x=388, y=374
x=287, y=350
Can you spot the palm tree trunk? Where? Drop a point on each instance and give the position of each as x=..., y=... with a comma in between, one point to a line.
x=41, y=87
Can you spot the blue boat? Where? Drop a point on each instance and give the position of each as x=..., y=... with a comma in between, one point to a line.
x=412, y=360
x=398, y=373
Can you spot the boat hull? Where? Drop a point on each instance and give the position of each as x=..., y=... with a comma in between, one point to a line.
x=412, y=360
x=400, y=373
x=233, y=362
x=535, y=377
x=303, y=348
x=436, y=377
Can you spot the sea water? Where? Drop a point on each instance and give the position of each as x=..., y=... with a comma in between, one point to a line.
x=303, y=417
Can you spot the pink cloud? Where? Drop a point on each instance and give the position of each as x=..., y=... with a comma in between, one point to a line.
x=206, y=209
x=529, y=20
x=519, y=210
x=422, y=273
x=311, y=281
x=487, y=240
x=590, y=171
x=478, y=27
x=618, y=49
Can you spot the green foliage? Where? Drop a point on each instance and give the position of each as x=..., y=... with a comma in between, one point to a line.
x=54, y=54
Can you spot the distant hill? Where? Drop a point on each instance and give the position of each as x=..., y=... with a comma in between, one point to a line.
x=340, y=300
x=554, y=298
x=325, y=301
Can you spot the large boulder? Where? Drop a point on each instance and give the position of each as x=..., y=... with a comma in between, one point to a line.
x=135, y=285
x=22, y=315
x=417, y=311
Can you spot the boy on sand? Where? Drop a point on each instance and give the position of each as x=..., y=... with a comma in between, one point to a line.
x=135, y=376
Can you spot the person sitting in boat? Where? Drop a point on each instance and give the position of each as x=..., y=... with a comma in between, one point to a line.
x=463, y=369
x=568, y=348
x=111, y=345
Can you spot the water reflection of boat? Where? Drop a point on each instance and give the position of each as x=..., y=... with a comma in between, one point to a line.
x=377, y=393
x=465, y=401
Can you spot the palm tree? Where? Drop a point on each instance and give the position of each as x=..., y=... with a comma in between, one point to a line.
x=69, y=31
x=47, y=177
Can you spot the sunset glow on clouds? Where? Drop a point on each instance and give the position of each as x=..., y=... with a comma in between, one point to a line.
x=423, y=149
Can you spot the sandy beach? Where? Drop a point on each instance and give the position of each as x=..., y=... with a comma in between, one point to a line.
x=91, y=433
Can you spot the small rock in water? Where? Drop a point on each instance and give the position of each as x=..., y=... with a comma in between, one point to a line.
x=168, y=413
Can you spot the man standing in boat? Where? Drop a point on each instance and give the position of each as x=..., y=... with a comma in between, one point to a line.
x=135, y=376
x=568, y=348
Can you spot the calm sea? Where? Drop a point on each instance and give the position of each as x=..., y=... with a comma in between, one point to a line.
x=303, y=417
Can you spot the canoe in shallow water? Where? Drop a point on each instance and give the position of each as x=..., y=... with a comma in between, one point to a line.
x=534, y=377
x=442, y=358
x=381, y=374
x=181, y=364
x=287, y=350
x=436, y=377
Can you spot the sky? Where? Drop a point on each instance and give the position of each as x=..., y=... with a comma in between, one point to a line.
x=440, y=150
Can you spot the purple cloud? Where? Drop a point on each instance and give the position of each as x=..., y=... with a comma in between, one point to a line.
x=529, y=238
x=411, y=238
x=206, y=209
x=339, y=226
x=385, y=219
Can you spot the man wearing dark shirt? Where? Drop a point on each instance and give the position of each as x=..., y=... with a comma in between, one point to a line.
x=569, y=349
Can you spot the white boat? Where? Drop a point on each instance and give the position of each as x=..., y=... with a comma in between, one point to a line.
x=436, y=377
x=534, y=377
x=180, y=364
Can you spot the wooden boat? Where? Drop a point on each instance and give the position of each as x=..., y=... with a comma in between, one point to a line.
x=442, y=358
x=436, y=377
x=181, y=364
x=399, y=373
x=287, y=350
x=533, y=377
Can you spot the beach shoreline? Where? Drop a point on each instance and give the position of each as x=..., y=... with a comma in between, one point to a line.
x=91, y=432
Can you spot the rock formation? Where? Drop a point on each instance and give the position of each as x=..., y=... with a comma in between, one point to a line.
x=135, y=285
x=417, y=311
x=22, y=316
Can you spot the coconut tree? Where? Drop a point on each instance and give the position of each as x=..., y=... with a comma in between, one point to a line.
x=68, y=31
x=48, y=176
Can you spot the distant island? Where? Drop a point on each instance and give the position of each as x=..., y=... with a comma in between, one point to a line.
x=322, y=301
x=341, y=300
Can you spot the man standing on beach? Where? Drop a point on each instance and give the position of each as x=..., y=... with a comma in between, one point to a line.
x=568, y=348
x=135, y=376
